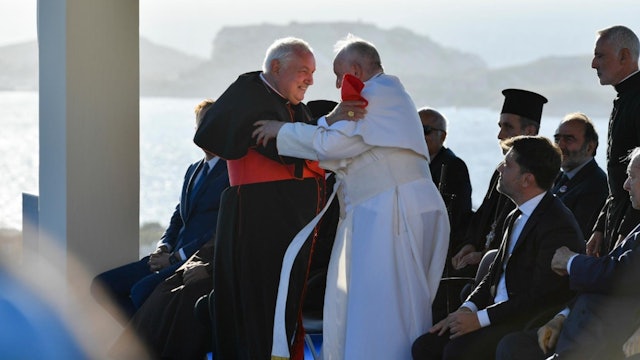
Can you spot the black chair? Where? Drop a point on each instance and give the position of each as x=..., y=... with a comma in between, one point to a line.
x=203, y=310
x=468, y=284
x=483, y=269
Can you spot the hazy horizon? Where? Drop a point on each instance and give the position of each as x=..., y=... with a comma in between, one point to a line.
x=501, y=32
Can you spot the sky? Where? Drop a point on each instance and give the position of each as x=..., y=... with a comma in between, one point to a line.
x=502, y=32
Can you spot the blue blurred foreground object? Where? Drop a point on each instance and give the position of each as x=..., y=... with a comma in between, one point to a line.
x=30, y=328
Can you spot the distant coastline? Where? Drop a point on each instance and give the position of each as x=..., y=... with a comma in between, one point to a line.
x=434, y=74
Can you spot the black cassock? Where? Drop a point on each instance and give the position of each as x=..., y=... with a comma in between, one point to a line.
x=257, y=221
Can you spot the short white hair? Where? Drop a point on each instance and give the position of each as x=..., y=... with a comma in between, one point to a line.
x=633, y=153
x=621, y=37
x=284, y=50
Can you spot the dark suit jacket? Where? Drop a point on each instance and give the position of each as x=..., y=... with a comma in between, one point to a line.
x=531, y=284
x=584, y=195
x=194, y=224
x=618, y=217
x=605, y=312
x=494, y=208
x=455, y=182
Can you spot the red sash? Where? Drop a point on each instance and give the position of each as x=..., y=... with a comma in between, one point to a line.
x=255, y=168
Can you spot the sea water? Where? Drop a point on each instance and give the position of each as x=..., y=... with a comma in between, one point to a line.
x=167, y=126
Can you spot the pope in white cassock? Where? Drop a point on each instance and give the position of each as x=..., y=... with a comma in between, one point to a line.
x=393, y=233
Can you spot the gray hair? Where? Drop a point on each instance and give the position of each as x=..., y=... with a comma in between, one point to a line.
x=358, y=51
x=621, y=37
x=441, y=121
x=633, y=153
x=284, y=50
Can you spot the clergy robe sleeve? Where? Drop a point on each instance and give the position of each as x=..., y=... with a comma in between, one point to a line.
x=320, y=142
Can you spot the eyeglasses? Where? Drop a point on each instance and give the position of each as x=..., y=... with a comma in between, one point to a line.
x=427, y=130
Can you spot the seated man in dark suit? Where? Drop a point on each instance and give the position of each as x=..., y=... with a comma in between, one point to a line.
x=451, y=176
x=517, y=287
x=193, y=223
x=605, y=313
x=581, y=185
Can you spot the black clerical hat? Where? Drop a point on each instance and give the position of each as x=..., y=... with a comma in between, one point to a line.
x=524, y=103
x=320, y=108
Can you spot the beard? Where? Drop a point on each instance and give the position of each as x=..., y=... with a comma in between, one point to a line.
x=573, y=159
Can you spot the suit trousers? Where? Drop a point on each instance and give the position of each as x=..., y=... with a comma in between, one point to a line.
x=130, y=285
x=477, y=345
x=521, y=345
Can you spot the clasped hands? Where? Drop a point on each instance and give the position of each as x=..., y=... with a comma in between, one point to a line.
x=159, y=259
x=194, y=271
x=347, y=110
x=458, y=323
x=466, y=256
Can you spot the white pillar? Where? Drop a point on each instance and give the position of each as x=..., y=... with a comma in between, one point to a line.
x=89, y=130
x=89, y=181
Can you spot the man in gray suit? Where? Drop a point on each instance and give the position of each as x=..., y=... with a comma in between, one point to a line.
x=605, y=313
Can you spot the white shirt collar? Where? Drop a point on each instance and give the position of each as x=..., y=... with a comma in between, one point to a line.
x=213, y=162
x=528, y=206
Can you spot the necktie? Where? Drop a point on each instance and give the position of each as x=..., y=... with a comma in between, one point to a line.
x=198, y=182
x=504, y=253
x=506, y=240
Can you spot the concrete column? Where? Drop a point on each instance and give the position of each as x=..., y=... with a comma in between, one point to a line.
x=89, y=132
x=89, y=155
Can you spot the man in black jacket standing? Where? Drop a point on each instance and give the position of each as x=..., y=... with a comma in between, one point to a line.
x=616, y=62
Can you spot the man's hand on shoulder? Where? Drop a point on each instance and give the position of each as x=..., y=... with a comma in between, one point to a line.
x=352, y=110
x=266, y=130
